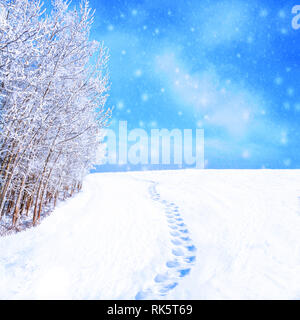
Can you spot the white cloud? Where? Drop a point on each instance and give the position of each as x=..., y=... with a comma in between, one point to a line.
x=222, y=22
x=224, y=103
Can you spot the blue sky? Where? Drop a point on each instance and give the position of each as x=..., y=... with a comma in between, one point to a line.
x=230, y=67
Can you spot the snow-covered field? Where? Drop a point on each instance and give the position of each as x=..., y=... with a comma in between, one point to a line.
x=207, y=234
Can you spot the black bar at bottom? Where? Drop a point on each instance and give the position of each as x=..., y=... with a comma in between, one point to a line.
x=149, y=309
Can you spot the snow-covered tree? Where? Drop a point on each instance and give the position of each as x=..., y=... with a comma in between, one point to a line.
x=52, y=103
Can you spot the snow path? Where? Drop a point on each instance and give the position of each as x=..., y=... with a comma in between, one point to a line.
x=107, y=242
x=114, y=241
x=245, y=225
x=183, y=251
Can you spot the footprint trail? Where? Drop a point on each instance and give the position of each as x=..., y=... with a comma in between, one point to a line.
x=183, y=251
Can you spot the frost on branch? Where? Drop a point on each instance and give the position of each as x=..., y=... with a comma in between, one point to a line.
x=53, y=89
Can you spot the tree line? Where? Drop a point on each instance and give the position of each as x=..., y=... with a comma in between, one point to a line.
x=53, y=89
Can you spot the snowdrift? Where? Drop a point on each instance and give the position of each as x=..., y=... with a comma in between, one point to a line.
x=188, y=234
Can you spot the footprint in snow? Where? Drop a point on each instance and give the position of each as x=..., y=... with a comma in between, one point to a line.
x=183, y=251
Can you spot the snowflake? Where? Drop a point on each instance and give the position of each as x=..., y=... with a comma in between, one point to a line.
x=153, y=124
x=286, y=105
x=281, y=14
x=283, y=139
x=263, y=13
x=138, y=73
x=120, y=105
x=250, y=39
x=278, y=80
x=290, y=91
x=110, y=27
x=199, y=124
x=246, y=154
x=145, y=97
